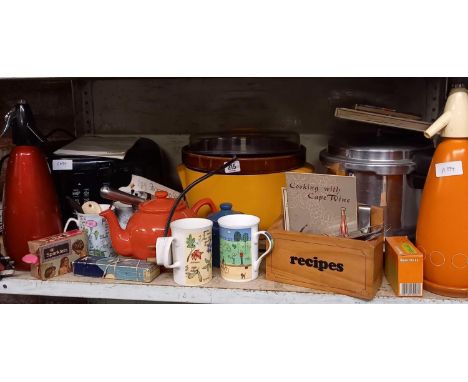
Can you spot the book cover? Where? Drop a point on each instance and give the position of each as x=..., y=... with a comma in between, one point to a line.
x=378, y=118
x=316, y=203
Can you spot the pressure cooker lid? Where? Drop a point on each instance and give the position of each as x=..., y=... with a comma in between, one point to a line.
x=245, y=142
x=387, y=154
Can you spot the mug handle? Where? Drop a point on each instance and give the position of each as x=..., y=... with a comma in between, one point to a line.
x=163, y=251
x=68, y=223
x=271, y=245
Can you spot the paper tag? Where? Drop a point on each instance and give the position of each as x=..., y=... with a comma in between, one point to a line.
x=233, y=167
x=62, y=164
x=138, y=185
x=449, y=169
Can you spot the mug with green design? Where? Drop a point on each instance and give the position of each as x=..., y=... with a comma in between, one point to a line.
x=187, y=251
x=238, y=238
x=97, y=230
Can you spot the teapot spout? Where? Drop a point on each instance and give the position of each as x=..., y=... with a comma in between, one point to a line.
x=119, y=237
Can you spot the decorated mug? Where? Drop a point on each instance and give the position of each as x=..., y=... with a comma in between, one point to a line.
x=238, y=240
x=190, y=249
x=97, y=230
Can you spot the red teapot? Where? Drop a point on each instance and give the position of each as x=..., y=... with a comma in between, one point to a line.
x=147, y=224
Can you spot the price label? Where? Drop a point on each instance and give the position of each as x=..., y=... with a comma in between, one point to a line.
x=449, y=169
x=233, y=167
x=62, y=164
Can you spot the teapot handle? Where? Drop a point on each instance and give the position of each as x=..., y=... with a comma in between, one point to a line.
x=204, y=202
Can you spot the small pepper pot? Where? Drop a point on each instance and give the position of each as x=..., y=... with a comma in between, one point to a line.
x=225, y=209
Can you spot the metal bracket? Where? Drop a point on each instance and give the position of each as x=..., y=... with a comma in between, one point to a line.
x=435, y=98
x=87, y=107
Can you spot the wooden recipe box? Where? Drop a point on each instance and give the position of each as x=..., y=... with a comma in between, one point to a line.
x=346, y=266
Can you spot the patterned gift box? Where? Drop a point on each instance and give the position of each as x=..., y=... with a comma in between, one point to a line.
x=116, y=268
x=56, y=253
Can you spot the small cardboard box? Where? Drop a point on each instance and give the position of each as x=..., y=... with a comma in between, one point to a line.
x=56, y=253
x=403, y=266
x=116, y=268
x=346, y=266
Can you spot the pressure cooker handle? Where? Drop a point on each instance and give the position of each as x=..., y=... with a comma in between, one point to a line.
x=422, y=160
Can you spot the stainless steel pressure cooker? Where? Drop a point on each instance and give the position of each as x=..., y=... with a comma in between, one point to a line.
x=390, y=172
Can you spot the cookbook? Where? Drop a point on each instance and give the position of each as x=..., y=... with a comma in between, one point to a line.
x=321, y=204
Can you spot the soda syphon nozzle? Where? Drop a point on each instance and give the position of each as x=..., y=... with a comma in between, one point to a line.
x=438, y=125
x=20, y=120
x=453, y=123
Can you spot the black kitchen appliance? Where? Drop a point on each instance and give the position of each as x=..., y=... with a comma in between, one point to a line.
x=83, y=176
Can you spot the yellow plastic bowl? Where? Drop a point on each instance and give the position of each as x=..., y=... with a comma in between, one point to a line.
x=258, y=195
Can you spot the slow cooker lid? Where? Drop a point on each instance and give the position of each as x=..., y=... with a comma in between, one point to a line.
x=258, y=152
x=245, y=142
x=246, y=165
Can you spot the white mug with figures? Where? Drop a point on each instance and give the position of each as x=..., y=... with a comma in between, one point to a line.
x=238, y=237
x=190, y=247
x=97, y=230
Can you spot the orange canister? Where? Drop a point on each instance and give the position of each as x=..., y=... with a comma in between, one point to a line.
x=442, y=228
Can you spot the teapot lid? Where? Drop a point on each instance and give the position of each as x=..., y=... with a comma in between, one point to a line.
x=162, y=204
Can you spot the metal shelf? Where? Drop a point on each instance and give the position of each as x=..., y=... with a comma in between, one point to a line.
x=163, y=289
